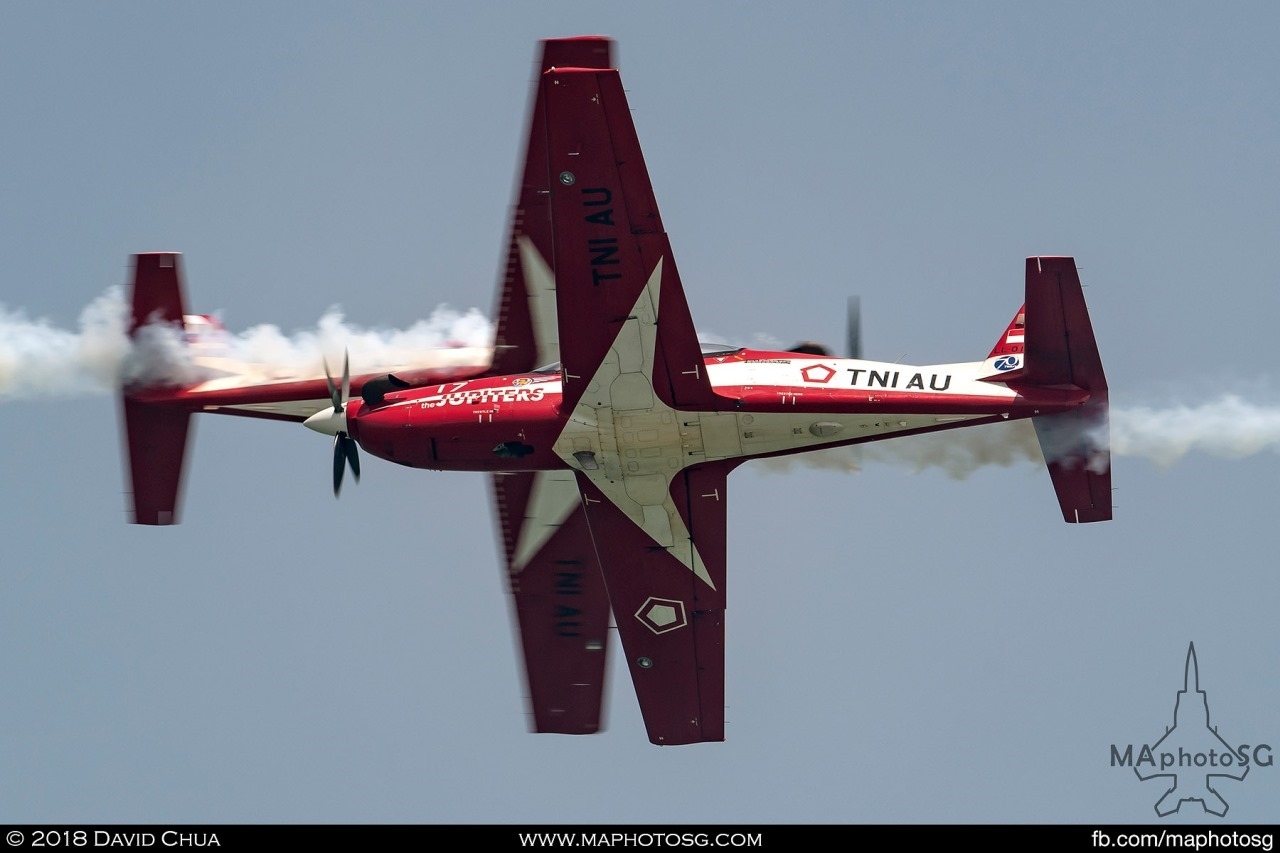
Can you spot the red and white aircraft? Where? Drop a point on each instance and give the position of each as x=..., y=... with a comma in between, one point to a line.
x=610, y=463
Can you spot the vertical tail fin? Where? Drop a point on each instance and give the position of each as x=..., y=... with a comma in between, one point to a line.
x=155, y=433
x=1061, y=351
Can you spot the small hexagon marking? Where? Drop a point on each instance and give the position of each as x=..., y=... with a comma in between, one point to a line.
x=661, y=615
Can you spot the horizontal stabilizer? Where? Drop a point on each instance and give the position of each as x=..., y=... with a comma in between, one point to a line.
x=157, y=289
x=155, y=434
x=156, y=444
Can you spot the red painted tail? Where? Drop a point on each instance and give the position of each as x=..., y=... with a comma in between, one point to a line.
x=155, y=433
x=1061, y=352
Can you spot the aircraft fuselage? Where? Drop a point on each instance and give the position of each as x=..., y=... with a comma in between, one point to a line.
x=771, y=403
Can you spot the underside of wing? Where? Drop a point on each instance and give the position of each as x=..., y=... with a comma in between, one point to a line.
x=558, y=597
x=666, y=580
x=635, y=392
x=526, y=336
x=609, y=244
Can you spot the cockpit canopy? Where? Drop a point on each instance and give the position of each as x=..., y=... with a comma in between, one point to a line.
x=710, y=349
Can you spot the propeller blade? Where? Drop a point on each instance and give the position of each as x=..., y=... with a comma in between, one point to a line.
x=334, y=397
x=352, y=451
x=853, y=331
x=346, y=378
x=345, y=449
x=345, y=452
x=339, y=463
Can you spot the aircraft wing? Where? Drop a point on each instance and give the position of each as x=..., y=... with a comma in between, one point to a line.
x=609, y=244
x=558, y=597
x=526, y=337
x=666, y=579
x=633, y=378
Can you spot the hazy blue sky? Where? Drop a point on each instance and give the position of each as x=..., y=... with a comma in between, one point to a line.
x=902, y=645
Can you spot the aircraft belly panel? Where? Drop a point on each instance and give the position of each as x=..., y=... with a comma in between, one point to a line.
x=764, y=433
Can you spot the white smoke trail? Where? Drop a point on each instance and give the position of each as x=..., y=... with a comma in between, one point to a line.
x=297, y=352
x=1229, y=427
x=39, y=360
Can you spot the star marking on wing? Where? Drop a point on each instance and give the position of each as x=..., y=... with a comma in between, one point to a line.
x=540, y=285
x=552, y=500
x=628, y=414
